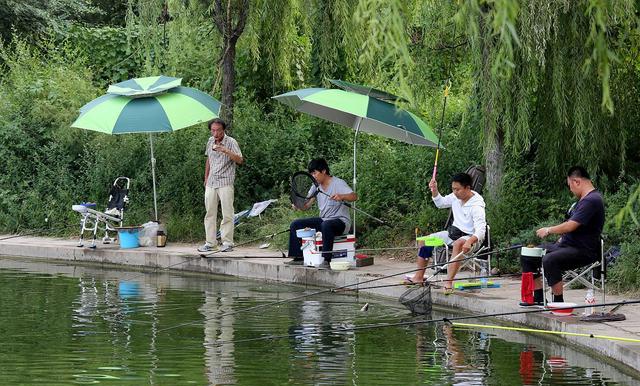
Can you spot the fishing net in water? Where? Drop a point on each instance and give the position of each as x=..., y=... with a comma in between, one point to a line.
x=417, y=299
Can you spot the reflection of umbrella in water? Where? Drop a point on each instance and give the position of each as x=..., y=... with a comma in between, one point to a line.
x=169, y=110
x=361, y=111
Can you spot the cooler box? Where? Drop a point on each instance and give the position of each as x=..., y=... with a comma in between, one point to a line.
x=343, y=246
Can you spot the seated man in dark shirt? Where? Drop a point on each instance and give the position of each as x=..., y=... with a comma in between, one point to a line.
x=579, y=244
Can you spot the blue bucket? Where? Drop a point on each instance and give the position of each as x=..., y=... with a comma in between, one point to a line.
x=128, y=237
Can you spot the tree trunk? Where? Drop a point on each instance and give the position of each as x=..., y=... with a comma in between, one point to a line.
x=493, y=132
x=228, y=82
x=223, y=17
x=494, y=157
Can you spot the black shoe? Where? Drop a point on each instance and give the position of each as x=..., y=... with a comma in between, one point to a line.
x=532, y=305
x=324, y=265
x=294, y=262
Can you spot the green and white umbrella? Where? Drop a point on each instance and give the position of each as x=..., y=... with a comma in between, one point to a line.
x=174, y=109
x=366, y=90
x=362, y=113
x=141, y=87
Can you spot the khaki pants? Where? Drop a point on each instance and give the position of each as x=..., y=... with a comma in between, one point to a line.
x=211, y=197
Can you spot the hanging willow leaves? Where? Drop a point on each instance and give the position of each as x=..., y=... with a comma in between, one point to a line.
x=531, y=96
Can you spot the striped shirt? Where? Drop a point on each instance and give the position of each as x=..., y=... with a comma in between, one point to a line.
x=222, y=169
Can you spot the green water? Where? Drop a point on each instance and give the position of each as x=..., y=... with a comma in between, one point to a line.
x=66, y=325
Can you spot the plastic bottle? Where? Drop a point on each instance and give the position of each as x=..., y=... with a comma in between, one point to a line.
x=483, y=277
x=589, y=299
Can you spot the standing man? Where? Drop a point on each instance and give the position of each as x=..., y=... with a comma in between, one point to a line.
x=334, y=218
x=579, y=244
x=223, y=154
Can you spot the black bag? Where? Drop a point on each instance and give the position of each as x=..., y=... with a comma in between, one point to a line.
x=455, y=233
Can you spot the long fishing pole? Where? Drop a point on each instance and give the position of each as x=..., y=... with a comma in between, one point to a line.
x=246, y=243
x=189, y=258
x=539, y=331
x=447, y=87
x=329, y=328
x=432, y=282
x=36, y=231
x=334, y=289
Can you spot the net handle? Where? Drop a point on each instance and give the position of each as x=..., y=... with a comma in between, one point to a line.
x=296, y=197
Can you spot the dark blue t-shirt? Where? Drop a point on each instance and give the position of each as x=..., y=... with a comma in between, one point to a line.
x=589, y=213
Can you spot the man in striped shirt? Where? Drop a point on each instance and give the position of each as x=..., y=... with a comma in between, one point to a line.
x=223, y=154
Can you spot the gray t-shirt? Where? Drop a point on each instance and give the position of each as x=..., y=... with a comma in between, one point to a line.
x=331, y=209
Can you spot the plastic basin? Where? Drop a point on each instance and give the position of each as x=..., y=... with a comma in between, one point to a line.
x=561, y=308
x=340, y=265
x=306, y=232
x=128, y=237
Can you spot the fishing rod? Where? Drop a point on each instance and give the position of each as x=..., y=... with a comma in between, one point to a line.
x=190, y=258
x=334, y=289
x=539, y=331
x=330, y=329
x=403, y=248
x=431, y=282
x=245, y=243
x=36, y=231
x=447, y=87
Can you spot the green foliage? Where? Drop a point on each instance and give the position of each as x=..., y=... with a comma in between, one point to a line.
x=108, y=51
x=530, y=92
x=624, y=275
x=32, y=19
x=41, y=97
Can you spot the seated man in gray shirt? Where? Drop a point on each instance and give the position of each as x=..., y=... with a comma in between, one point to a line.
x=334, y=217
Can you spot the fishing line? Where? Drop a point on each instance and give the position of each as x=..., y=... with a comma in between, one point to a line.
x=330, y=329
x=334, y=289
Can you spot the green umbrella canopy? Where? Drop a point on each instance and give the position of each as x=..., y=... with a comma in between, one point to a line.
x=141, y=87
x=366, y=90
x=361, y=112
x=175, y=109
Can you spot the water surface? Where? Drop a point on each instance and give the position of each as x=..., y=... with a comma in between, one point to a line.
x=63, y=324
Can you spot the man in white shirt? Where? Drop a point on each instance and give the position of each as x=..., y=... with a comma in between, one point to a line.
x=467, y=231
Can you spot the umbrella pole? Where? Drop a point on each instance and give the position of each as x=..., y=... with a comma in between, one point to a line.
x=153, y=176
x=355, y=147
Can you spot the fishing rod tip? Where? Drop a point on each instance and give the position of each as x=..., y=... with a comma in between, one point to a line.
x=365, y=307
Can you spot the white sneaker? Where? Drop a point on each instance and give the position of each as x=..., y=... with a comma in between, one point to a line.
x=226, y=247
x=207, y=248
